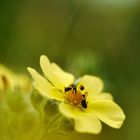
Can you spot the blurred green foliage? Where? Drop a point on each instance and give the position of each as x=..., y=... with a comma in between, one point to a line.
x=83, y=37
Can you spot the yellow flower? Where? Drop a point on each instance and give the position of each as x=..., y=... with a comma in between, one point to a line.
x=10, y=80
x=81, y=99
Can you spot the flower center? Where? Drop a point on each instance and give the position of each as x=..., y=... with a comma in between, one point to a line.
x=74, y=96
x=4, y=81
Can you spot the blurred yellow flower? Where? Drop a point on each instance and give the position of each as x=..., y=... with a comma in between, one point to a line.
x=81, y=99
x=10, y=80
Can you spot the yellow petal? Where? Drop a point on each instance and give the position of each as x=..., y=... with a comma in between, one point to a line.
x=84, y=122
x=92, y=84
x=44, y=87
x=55, y=74
x=35, y=75
x=51, y=93
x=65, y=77
x=40, y=82
x=70, y=111
x=108, y=112
x=88, y=124
x=103, y=96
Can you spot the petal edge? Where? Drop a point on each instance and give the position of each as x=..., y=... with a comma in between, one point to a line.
x=108, y=112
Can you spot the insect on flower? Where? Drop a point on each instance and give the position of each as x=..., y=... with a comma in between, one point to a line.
x=82, y=100
x=75, y=97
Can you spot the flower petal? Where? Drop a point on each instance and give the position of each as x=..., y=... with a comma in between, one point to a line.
x=84, y=122
x=69, y=110
x=51, y=93
x=92, y=84
x=108, y=112
x=44, y=87
x=55, y=74
x=103, y=96
x=88, y=124
x=35, y=75
x=65, y=77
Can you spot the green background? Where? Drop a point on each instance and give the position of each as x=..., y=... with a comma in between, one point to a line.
x=83, y=36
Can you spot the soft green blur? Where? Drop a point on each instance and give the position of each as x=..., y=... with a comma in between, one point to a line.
x=83, y=36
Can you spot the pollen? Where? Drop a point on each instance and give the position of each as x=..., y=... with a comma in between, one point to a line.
x=74, y=98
